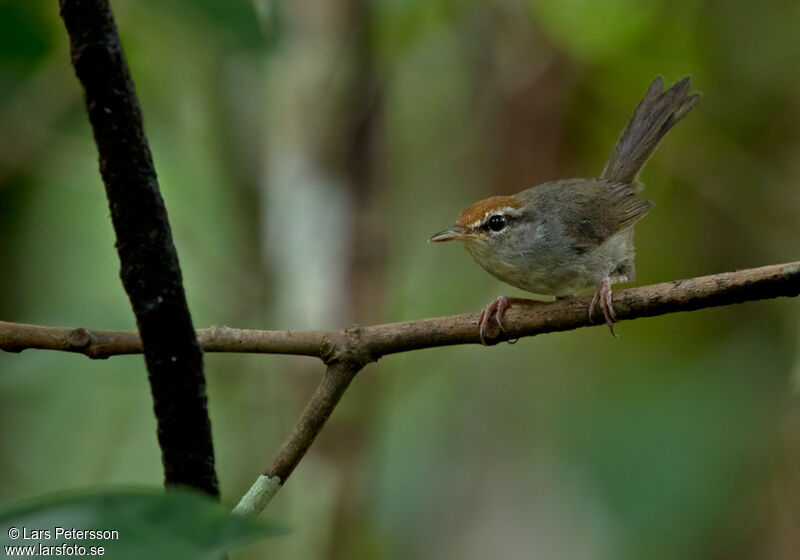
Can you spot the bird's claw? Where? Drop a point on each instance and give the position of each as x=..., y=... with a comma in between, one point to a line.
x=497, y=308
x=602, y=299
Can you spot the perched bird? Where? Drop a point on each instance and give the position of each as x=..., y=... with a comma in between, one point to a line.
x=563, y=236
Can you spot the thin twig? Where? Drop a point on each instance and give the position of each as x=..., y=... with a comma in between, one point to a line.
x=149, y=267
x=780, y=280
x=335, y=380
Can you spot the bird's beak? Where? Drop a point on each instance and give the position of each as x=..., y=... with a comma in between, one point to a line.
x=456, y=232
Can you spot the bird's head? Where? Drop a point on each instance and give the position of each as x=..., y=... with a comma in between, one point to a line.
x=488, y=222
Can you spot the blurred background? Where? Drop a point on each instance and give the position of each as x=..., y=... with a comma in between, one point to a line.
x=306, y=150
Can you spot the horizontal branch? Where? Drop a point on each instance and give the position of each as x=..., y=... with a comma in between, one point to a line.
x=347, y=351
x=364, y=344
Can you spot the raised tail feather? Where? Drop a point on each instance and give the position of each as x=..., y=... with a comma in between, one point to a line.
x=656, y=113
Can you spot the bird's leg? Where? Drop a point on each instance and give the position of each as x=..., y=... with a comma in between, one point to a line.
x=498, y=308
x=602, y=298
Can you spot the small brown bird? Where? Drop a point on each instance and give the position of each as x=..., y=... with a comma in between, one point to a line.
x=561, y=237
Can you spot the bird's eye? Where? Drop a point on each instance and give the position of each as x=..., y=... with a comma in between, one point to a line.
x=496, y=222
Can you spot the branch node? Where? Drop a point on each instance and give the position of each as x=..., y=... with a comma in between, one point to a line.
x=79, y=338
x=350, y=347
x=327, y=351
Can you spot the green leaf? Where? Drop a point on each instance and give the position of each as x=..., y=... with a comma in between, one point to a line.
x=140, y=523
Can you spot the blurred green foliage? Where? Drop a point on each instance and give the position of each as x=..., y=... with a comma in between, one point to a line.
x=130, y=524
x=679, y=440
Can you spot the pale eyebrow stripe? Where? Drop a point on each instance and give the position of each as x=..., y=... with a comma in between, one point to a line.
x=507, y=210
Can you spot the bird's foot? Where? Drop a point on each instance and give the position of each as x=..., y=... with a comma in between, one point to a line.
x=498, y=308
x=602, y=299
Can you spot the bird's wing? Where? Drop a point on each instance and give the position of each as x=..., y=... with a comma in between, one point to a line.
x=595, y=210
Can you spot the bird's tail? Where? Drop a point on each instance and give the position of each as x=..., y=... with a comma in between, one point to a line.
x=656, y=113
